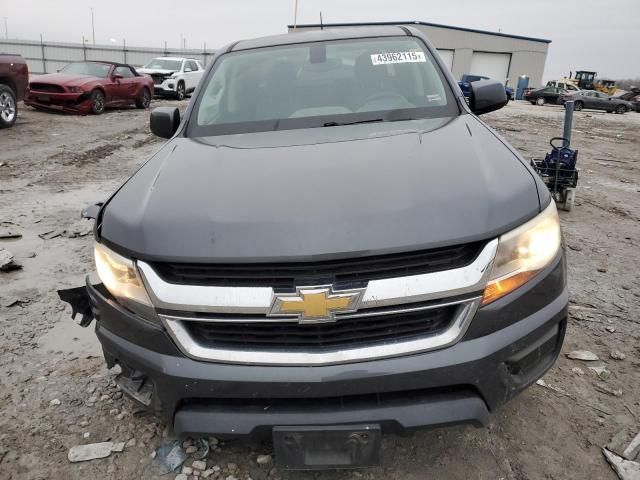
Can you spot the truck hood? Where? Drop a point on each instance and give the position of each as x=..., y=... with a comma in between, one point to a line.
x=151, y=71
x=64, y=79
x=321, y=193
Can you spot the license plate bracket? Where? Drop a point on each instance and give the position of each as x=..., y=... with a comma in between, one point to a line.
x=326, y=447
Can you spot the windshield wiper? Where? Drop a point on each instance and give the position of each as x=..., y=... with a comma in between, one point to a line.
x=339, y=124
x=373, y=120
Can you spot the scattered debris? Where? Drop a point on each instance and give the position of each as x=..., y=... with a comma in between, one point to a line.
x=7, y=262
x=93, y=451
x=544, y=384
x=199, y=448
x=263, y=459
x=169, y=457
x=7, y=234
x=577, y=371
x=625, y=469
x=610, y=329
x=14, y=302
x=584, y=355
x=609, y=391
x=617, y=355
x=601, y=370
x=55, y=402
x=199, y=465
x=633, y=449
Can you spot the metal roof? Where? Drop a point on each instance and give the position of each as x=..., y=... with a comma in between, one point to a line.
x=428, y=24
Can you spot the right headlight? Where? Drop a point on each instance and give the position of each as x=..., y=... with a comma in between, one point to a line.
x=120, y=276
x=523, y=252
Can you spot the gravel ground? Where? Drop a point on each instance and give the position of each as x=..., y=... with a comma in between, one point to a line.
x=55, y=391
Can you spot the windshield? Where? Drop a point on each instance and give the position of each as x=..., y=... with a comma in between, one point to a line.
x=321, y=84
x=164, y=64
x=87, y=68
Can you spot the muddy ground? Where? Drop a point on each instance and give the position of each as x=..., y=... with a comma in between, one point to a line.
x=53, y=165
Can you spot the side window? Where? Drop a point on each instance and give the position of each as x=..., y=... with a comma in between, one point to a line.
x=193, y=66
x=124, y=71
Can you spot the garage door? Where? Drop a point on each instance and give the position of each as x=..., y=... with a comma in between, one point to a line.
x=447, y=57
x=492, y=65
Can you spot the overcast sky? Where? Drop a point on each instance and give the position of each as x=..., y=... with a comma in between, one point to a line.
x=586, y=35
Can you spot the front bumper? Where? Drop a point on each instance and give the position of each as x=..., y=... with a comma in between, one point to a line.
x=60, y=102
x=509, y=344
x=167, y=87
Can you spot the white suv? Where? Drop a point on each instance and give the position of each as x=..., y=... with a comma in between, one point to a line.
x=173, y=75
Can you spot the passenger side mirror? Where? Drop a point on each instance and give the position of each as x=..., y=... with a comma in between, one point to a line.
x=164, y=121
x=117, y=77
x=487, y=96
x=187, y=70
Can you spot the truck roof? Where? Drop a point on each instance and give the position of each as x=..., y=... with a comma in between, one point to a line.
x=320, y=35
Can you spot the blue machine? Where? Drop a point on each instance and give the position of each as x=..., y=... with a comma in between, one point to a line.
x=523, y=84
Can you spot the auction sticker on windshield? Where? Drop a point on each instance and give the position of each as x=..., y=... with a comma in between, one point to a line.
x=397, y=57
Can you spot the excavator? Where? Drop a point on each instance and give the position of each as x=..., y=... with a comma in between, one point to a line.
x=587, y=81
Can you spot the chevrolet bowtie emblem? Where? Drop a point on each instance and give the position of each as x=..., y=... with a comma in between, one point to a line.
x=315, y=304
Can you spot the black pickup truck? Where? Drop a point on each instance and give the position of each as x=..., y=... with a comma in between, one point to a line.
x=14, y=78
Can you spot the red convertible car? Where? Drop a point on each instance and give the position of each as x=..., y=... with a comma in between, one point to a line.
x=90, y=87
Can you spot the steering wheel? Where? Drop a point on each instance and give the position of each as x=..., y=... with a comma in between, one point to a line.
x=384, y=95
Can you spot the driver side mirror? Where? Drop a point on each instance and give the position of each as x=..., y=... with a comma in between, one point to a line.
x=164, y=121
x=117, y=77
x=487, y=96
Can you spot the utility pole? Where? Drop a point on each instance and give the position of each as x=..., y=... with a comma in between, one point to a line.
x=93, y=30
x=295, y=15
x=6, y=29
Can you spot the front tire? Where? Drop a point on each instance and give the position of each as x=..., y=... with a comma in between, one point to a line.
x=180, y=90
x=97, y=102
x=578, y=106
x=144, y=99
x=620, y=109
x=540, y=101
x=8, y=107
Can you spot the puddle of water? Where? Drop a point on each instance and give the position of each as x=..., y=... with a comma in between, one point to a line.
x=71, y=339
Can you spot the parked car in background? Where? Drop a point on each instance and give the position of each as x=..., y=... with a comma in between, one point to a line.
x=173, y=76
x=90, y=87
x=544, y=95
x=467, y=79
x=14, y=77
x=633, y=97
x=564, y=85
x=597, y=101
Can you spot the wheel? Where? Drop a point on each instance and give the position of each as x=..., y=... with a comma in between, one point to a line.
x=144, y=99
x=97, y=102
x=578, y=106
x=180, y=90
x=8, y=107
x=540, y=101
x=620, y=109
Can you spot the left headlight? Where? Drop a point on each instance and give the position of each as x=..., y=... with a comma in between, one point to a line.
x=120, y=276
x=524, y=252
x=76, y=90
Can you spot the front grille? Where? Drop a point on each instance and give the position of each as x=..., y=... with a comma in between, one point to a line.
x=157, y=79
x=340, y=273
x=345, y=332
x=46, y=87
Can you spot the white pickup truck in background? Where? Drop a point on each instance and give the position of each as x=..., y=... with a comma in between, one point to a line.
x=173, y=76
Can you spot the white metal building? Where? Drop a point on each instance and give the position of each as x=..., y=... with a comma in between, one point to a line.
x=501, y=56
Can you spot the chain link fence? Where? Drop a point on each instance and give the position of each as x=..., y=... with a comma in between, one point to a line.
x=48, y=57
